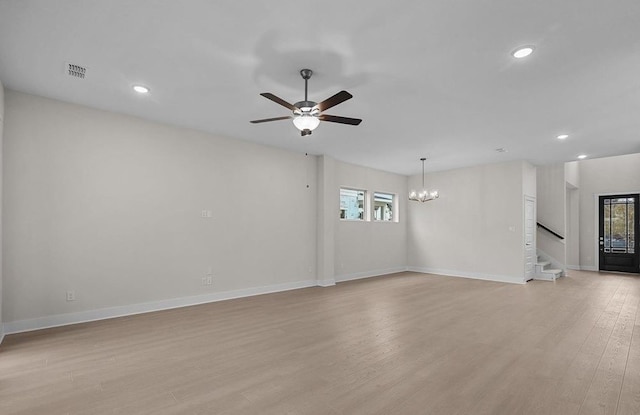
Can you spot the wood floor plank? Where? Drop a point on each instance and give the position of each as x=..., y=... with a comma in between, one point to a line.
x=604, y=391
x=629, y=400
x=406, y=343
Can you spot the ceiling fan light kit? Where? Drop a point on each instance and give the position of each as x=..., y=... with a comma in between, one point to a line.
x=308, y=114
x=306, y=122
x=424, y=195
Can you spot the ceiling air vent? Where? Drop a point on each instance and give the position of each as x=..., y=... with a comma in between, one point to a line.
x=76, y=71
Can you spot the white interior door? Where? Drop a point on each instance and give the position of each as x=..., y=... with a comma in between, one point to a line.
x=529, y=238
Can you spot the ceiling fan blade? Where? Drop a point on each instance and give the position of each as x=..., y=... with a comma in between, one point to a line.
x=341, y=120
x=338, y=98
x=271, y=119
x=280, y=101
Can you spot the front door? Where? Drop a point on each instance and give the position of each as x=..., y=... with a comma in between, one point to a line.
x=618, y=242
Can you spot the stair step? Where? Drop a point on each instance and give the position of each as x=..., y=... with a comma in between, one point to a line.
x=548, y=274
x=544, y=277
x=543, y=263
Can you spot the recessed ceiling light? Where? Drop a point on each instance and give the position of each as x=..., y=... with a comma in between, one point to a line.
x=562, y=136
x=522, y=52
x=141, y=89
x=582, y=156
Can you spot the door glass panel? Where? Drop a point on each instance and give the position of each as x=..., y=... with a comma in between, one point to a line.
x=619, y=233
x=630, y=226
x=618, y=220
x=607, y=224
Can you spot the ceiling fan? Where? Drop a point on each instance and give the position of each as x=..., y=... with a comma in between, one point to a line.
x=308, y=114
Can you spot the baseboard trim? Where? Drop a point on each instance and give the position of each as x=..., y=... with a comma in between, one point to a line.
x=589, y=268
x=369, y=274
x=574, y=267
x=326, y=283
x=472, y=275
x=58, y=320
x=1, y=333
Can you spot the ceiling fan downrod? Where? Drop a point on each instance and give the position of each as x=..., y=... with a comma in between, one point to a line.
x=306, y=74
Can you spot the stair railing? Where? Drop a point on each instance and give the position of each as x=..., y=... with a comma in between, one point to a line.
x=550, y=231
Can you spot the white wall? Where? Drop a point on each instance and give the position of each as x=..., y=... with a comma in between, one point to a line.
x=608, y=175
x=551, y=193
x=475, y=228
x=573, y=227
x=1, y=201
x=551, y=212
x=529, y=179
x=368, y=248
x=572, y=173
x=109, y=206
x=572, y=208
x=328, y=200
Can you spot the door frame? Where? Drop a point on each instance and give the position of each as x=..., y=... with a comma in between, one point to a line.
x=528, y=198
x=596, y=221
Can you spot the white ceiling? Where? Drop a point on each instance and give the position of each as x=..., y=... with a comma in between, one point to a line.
x=431, y=78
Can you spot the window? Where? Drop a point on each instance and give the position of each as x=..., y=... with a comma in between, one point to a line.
x=352, y=204
x=383, y=206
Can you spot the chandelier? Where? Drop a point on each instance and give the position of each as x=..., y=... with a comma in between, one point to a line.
x=425, y=195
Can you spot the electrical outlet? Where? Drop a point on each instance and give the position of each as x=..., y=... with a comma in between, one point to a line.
x=207, y=280
x=206, y=214
x=71, y=296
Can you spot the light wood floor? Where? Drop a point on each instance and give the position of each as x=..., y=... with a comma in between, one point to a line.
x=402, y=344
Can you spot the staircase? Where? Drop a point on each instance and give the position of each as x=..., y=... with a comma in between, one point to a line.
x=544, y=273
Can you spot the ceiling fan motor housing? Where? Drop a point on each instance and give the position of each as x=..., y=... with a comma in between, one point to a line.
x=306, y=106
